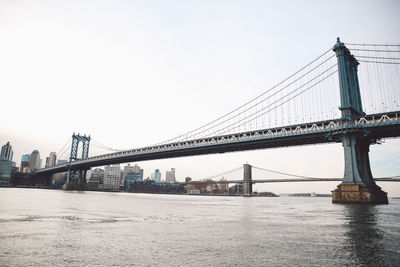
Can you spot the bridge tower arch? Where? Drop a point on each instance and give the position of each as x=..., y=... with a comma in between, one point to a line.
x=357, y=185
x=76, y=179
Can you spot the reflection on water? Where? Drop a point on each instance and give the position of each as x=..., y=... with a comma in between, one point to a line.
x=363, y=237
x=370, y=236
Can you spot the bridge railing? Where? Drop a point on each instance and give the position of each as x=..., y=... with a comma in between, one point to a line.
x=291, y=130
x=377, y=119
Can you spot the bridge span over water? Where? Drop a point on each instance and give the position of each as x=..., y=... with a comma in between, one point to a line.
x=353, y=99
x=374, y=126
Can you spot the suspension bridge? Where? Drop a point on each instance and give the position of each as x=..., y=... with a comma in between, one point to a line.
x=348, y=94
x=244, y=175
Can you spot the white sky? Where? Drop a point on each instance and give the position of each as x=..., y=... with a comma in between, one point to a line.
x=133, y=73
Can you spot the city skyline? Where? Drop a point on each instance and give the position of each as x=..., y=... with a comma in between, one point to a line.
x=231, y=175
x=146, y=76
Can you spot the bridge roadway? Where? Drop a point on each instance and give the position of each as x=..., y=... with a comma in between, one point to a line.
x=375, y=126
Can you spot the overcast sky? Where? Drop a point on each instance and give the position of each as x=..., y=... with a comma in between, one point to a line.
x=133, y=73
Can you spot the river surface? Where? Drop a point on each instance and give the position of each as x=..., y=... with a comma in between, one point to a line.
x=57, y=228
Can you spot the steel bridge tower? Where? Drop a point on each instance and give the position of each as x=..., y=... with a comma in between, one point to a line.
x=76, y=179
x=358, y=185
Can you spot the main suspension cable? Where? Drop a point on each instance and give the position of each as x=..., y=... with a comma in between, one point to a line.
x=224, y=173
x=229, y=113
x=270, y=96
x=379, y=62
x=283, y=173
x=280, y=104
x=62, y=149
x=396, y=45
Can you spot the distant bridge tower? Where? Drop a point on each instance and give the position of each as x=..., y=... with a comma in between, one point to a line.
x=358, y=185
x=247, y=180
x=77, y=177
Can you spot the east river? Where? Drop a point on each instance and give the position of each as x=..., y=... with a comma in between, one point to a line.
x=58, y=228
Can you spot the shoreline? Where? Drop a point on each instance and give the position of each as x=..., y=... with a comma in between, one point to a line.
x=184, y=194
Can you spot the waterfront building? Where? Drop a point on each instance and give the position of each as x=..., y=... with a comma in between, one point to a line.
x=97, y=175
x=170, y=176
x=19, y=178
x=112, y=176
x=128, y=168
x=93, y=185
x=211, y=188
x=201, y=186
x=133, y=176
x=193, y=192
x=6, y=168
x=25, y=163
x=223, y=186
x=51, y=159
x=236, y=189
x=156, y=176
x=7, y=152
x=34, y=160
x=153, y=187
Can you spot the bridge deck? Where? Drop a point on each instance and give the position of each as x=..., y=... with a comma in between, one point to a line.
x=374, y=126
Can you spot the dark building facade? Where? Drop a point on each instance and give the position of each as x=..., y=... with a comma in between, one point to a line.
x=7, y=152
x=153, y=187
x=6, y=170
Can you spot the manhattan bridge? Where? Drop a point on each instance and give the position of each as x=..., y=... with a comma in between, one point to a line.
x=349, y=94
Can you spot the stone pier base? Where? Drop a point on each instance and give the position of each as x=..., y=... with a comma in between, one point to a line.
x=78, y=187
x=359, y=194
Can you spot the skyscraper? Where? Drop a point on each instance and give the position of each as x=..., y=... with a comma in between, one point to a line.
x=25, y=163
x=137, y=169
x=156, y=176
x=51, y=159
x=34, y=160
x=127, y=169
x=7, y=151
x=170, y=176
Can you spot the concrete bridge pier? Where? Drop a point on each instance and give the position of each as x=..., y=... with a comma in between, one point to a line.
x=358, y=185
x=76, y=180
x=247, y=180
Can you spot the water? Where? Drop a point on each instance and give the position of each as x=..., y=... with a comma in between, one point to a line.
x=58, y=228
